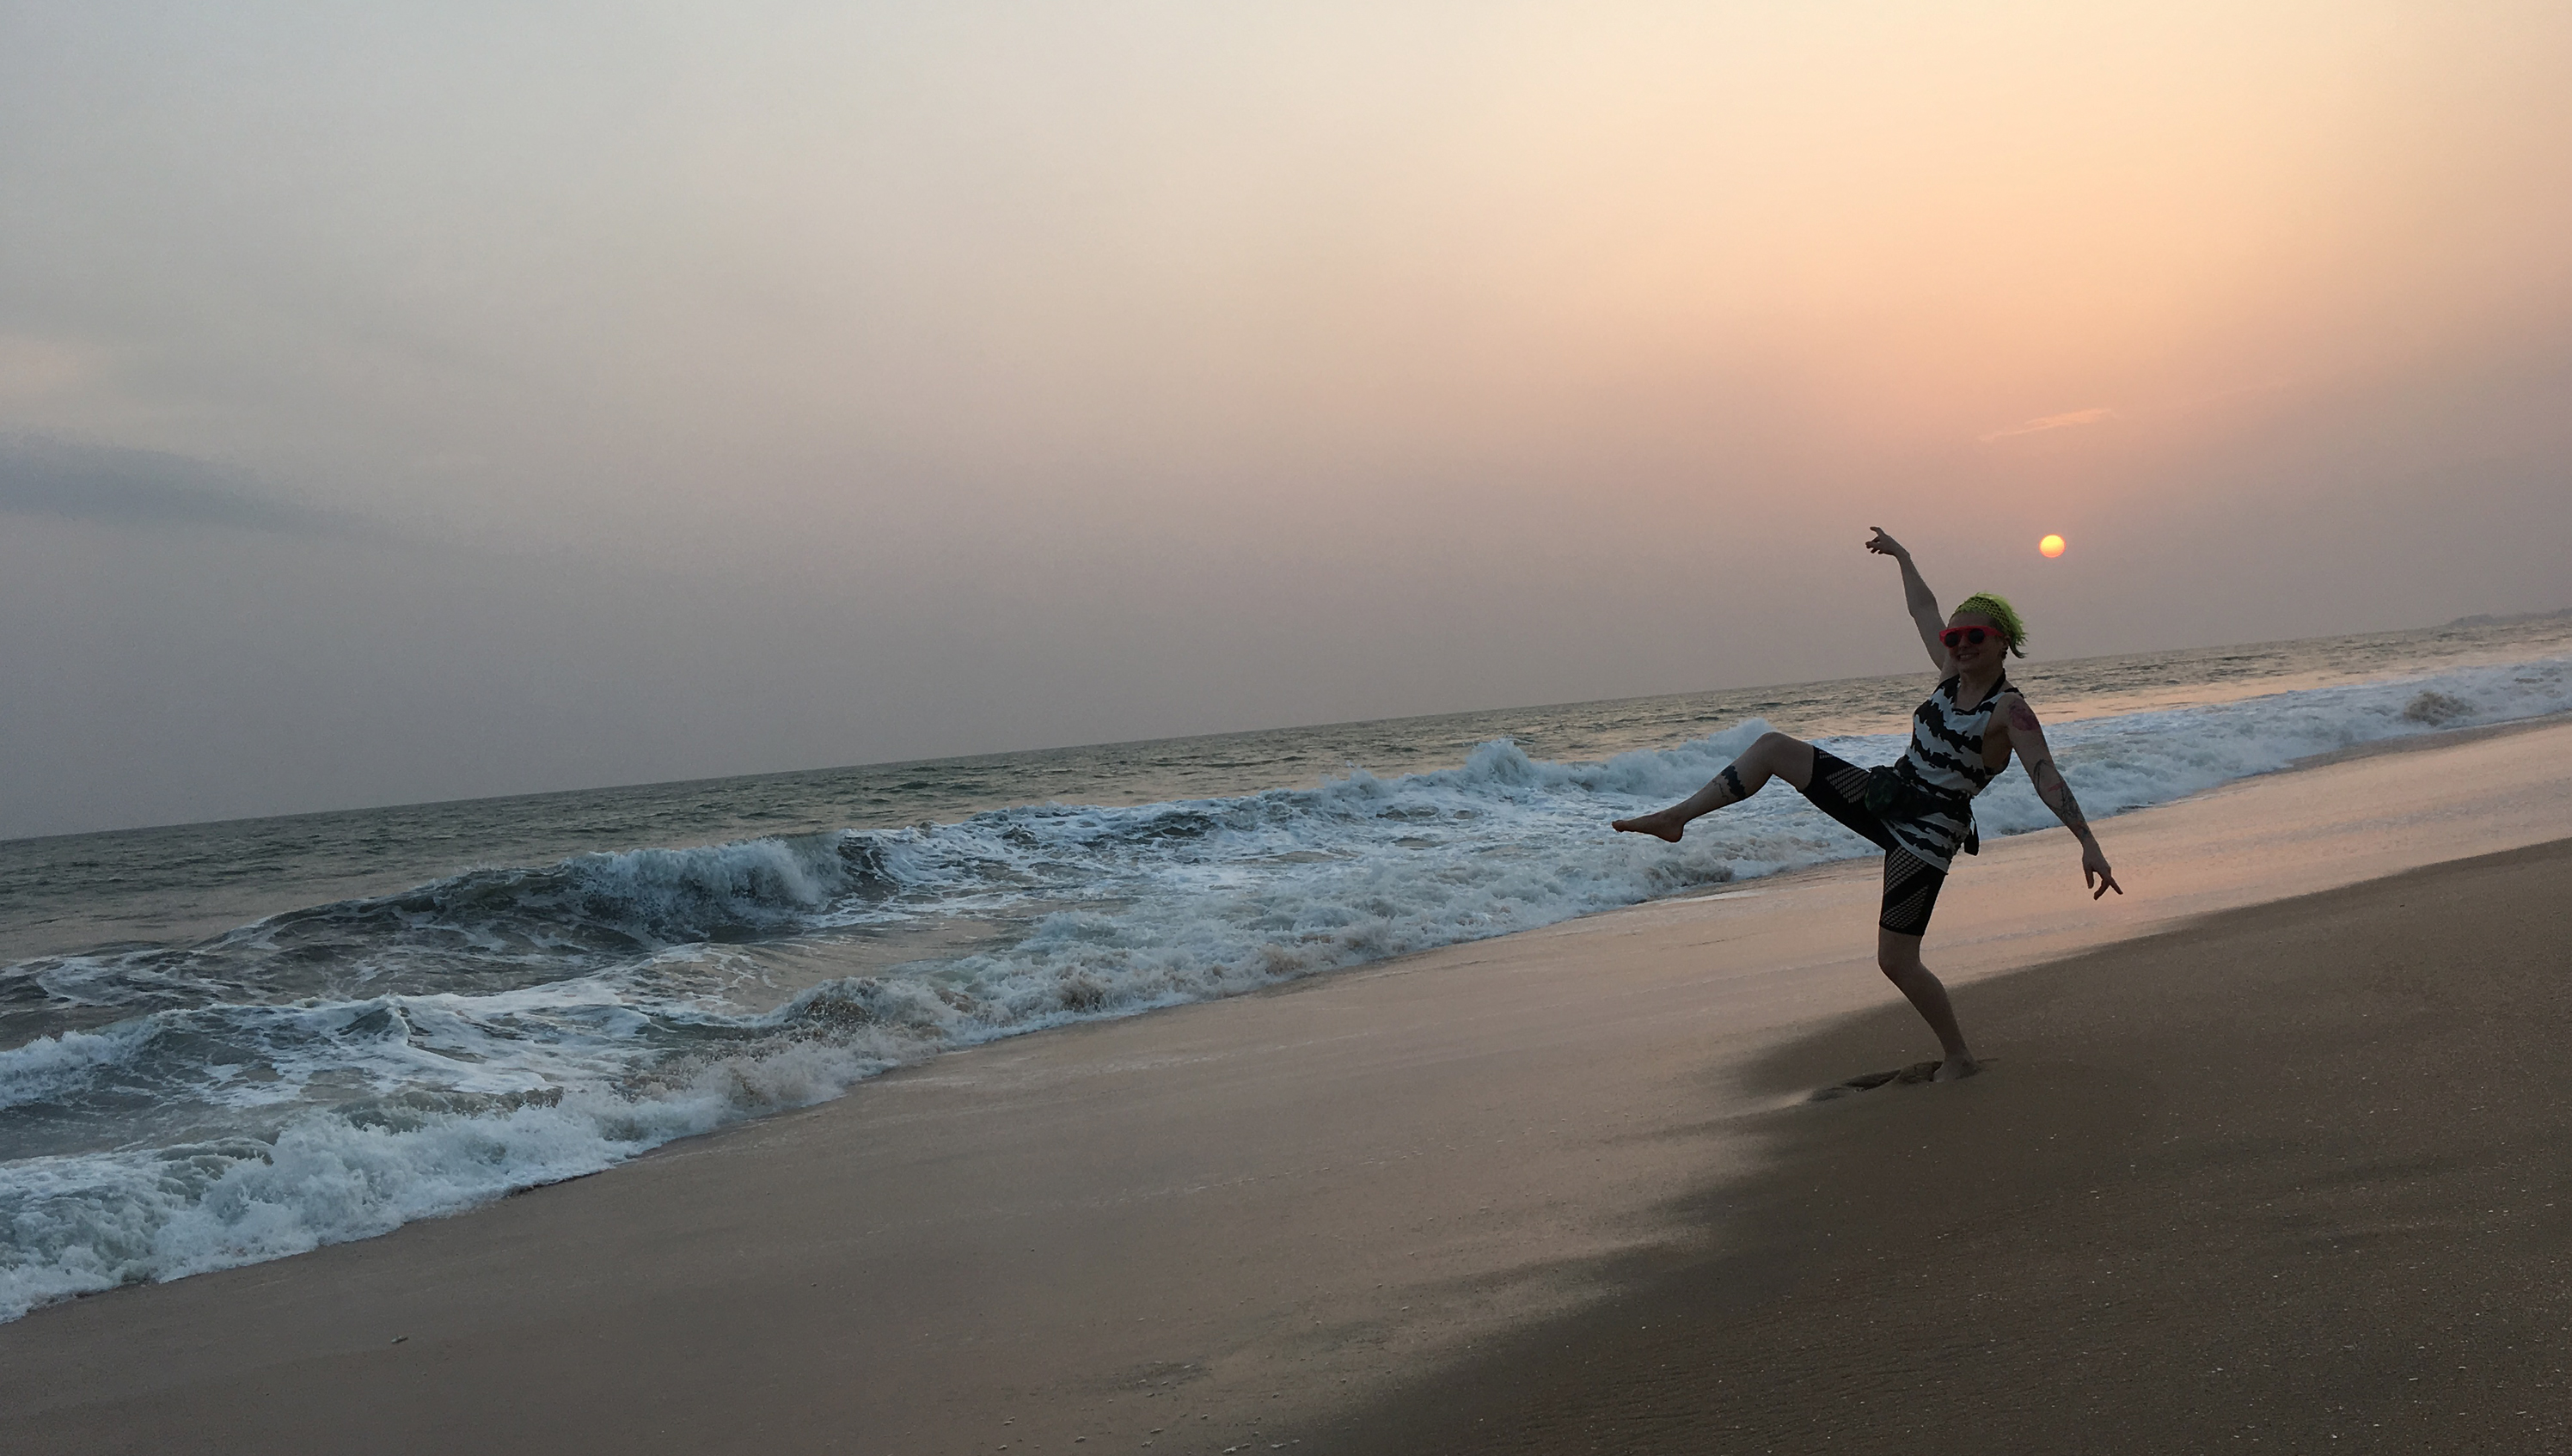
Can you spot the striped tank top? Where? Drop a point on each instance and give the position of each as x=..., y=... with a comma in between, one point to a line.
x=1942, y=772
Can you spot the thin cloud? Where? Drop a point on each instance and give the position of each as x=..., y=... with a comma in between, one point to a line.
x=105, y=484
x=2042, y=423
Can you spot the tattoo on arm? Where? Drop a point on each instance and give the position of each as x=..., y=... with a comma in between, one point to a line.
x=2057, y=794
x=2039, y=758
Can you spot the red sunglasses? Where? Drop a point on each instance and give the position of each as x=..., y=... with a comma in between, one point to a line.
x=1976, y=635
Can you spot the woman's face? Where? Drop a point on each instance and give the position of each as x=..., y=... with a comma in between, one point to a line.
x=1969, y=653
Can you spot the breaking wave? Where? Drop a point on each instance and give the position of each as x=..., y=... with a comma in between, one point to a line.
x=334, y=1072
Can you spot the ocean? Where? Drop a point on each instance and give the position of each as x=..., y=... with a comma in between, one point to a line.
x=227, y=1043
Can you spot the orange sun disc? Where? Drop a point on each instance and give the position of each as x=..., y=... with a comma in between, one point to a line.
x=2051, y=547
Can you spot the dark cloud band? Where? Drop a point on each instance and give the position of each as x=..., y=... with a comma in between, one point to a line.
x=44, y=476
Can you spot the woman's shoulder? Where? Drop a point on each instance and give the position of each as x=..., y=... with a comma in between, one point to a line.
x=2009, y=708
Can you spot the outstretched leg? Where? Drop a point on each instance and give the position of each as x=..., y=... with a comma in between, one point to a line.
x=1774, y=756
x=1898, y=956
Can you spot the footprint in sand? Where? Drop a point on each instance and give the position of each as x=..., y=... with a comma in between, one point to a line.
x=1868, y=1082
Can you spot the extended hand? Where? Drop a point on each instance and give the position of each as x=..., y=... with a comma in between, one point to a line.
x=2094, y=872
x=1884, y=545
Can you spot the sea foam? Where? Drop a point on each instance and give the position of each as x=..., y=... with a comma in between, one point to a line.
x=336, y=1071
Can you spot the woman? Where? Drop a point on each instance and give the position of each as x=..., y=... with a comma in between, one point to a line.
x=1920, y=809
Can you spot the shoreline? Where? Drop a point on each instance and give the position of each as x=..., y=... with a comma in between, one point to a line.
x=1284, y=1205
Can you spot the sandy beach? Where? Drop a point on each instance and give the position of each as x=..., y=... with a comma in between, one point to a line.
x=2268, y=1151
x=2288, y=1178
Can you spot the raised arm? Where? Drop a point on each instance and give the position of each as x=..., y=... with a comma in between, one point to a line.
x=1917, y=598
x=2027, y=739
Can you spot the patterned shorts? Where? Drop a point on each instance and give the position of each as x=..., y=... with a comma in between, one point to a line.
x=1911, y=884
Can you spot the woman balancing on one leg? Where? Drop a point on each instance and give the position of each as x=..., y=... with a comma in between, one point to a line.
x=1920, y=810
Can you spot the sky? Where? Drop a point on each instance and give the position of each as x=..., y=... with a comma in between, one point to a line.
x=413, y=402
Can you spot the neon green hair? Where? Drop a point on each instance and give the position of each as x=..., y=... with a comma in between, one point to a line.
x=1995, y=607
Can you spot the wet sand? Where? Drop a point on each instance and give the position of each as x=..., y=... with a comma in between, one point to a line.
x=1335, y=1213
x=2292, y=1178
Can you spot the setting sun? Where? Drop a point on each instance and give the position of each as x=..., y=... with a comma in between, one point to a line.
x=2051, y=547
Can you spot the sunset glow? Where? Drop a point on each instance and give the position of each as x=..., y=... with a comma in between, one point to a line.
x=2051, y=547
x=814, y=383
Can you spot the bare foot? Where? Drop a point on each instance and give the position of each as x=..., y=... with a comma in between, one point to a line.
x=1957, y=1069
x=1659, y=825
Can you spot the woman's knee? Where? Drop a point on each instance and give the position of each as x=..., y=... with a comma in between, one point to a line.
x=1785, y=754
x=1898, y=957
